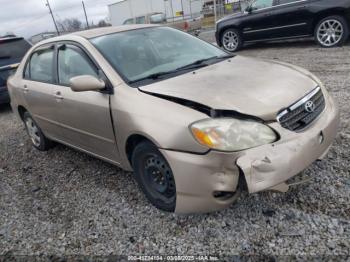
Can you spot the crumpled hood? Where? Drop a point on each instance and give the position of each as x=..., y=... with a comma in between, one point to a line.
x=246, y=85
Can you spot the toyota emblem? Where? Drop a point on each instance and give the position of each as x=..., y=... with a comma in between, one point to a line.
x=310, y=106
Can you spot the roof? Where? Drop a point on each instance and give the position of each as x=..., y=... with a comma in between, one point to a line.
x=91, y=33
x=109, y=30
x=10, y=38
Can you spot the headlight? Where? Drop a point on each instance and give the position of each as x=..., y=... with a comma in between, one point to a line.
x=229, y=134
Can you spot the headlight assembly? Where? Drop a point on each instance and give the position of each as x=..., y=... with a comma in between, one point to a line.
x=230, y=134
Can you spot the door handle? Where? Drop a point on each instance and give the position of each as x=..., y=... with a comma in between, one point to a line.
x=58, y=95
x=25, y=89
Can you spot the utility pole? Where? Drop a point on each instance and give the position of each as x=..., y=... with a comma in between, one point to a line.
x=215, y=15
x=87, y=22
x=48, y=5
x=182, y=7
x=172, y=10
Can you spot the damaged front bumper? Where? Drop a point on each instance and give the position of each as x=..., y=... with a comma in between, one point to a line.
x=199, y=178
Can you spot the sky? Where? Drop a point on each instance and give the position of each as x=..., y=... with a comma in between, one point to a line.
x=28, y=17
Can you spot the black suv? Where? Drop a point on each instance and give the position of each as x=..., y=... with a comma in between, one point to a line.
x=12, y=50
x=266, y=20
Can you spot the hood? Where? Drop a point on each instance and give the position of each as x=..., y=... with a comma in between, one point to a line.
x=245, y=85
x=232, y=16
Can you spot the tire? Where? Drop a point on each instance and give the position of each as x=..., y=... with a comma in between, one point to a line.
x=37, y=137
x=231, y=40
x=332, y=31
x=154, y=175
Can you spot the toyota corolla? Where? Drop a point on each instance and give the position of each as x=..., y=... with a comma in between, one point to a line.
x=193, y=122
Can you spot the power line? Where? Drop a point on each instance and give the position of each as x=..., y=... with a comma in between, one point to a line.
x=87, y=22
x=53, y=18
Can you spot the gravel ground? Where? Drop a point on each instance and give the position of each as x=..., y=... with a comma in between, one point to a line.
x=65, y=202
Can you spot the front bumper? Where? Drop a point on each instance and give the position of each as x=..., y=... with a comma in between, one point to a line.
x=4, y=95
x=198, y=177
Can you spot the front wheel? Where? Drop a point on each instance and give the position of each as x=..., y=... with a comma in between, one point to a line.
x=154, y=176
x=331, y=31
x=231, y=40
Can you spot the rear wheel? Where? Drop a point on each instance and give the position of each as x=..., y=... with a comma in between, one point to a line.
x=37, y=137
x=154, y=176
x=231, y=40
x=331, y=31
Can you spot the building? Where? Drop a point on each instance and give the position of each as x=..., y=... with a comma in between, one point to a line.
x=173, y=9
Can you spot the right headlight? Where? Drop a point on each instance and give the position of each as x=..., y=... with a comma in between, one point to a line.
x=230, y=134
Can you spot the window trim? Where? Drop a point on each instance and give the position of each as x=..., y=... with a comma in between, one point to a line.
x=28, y=62
x=109, y=87
x=54, y=45
x=79, y=51
x=279, y=5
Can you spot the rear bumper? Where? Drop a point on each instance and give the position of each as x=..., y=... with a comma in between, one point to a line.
x=4, y=95
x=267, y=167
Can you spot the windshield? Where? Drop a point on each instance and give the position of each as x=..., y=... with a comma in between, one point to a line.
x=12, y=50
x=140, y=53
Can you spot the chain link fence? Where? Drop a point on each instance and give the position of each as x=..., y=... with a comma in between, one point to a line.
x=223, y=8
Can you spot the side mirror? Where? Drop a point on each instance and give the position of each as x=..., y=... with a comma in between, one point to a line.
x=249, y=9
x=86, y=83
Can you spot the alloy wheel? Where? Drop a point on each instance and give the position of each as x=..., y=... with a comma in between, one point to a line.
x=330, y=32
x=230, y=41
x=33, y=132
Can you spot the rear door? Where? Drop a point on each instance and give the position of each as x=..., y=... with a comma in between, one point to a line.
x=84, y=116
x=293, y=18
x=38, y=90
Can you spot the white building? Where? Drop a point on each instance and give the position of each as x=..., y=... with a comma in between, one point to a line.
x=126, y=9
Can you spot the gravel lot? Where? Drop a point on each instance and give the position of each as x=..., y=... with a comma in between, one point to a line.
x=65, y=202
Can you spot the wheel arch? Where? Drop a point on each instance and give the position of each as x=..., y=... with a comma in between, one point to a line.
x=131, y=143
x=21, y=110
x=330, y=12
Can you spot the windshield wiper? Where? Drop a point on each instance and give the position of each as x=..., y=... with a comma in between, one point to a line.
x=195, y=65
x=200, y=63
x=5, y=57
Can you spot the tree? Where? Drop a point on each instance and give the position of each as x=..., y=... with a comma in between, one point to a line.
x=103, y=23
x=70, y=25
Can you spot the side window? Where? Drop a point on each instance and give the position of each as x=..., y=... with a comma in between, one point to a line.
x=40, y=66
x=73, y=62
x=141, y=20
x=129, y=21
x=259, y=4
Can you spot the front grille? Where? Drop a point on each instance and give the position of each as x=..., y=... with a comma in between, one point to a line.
x=302, y=113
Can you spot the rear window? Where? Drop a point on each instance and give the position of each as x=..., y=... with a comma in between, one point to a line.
x=13, y=50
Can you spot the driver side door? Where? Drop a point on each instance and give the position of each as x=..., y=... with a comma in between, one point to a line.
x=259, y=23
x=84, y=117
